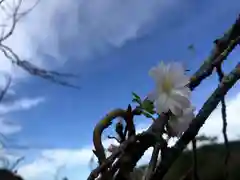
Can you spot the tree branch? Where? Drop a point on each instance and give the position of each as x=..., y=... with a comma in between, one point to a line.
x=224, y=118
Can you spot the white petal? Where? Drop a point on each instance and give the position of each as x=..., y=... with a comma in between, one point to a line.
x=183, y=91
x=178, y=125
x=180, y=81
x=152, y=96
x=182, y=100
x=177, y=68
x=157, y=73
x=175, y=107
x=161, y=103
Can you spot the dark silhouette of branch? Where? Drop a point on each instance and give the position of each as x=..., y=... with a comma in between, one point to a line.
x=15, y=17
x=135, y=151
x=153, y=161
x=195, y=162
x=224, y=118
x=52, y=76
x=222, y=49
x=8, y=175
x=4, y=91
x=112, y=137
x=105, y=123
x=14, y=22
x=94, y=174
x=17, y=162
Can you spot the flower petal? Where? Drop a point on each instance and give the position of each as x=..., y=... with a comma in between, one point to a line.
x=175, y=107
x=183, y=91
x=182, y=100
x=177, y=68
x=160, y=103
x=157, y=73
x=152, y=96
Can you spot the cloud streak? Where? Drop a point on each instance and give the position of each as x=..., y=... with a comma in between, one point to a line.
x=8, y=127
x=20, y=105
x=81, y=29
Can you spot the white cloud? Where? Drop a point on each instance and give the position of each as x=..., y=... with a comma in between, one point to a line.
x=8, y=127
x=49, y=160
x=75, y=29
x=78, y=29
x=82, y=28
x=21, y=104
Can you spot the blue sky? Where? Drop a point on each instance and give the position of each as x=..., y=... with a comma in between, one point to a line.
x=111, y=45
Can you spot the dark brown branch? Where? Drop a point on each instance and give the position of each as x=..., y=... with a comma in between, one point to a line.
x=8, y=175
x=153, y=161
x=4, y=91
x=197, y=123
x=222, y=49
x=195, y=162
x=135, y=151
x=112, y=157
x=112, y=137
x=14, y=22
x=16, y=163
x=52, y=76
x=105, y=123
x=224, y=118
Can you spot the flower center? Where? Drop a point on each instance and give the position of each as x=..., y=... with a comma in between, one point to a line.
x=167, y=85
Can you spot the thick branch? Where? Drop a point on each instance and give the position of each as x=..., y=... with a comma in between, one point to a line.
x=222, y=49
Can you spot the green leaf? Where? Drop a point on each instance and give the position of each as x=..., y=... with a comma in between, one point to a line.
x=148, y=106
x=136, y=96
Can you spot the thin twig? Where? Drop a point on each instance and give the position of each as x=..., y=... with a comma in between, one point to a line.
x=224, y=118
x=195, y=162
x=52, y=76
x=112, y=137
x=4, y=91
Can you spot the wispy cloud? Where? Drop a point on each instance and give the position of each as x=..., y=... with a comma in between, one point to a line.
x=80, y=29
x=20, y=105
x=49, y=160
x=8, y=127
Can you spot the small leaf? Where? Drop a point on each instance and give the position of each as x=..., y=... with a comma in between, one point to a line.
x=136, y=96
x=137, y=101
x=148, y=106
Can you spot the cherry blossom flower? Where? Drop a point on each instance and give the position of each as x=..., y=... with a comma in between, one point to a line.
x=171, y=92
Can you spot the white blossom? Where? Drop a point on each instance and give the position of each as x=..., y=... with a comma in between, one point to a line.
x=171, y=92
x=179, y=124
